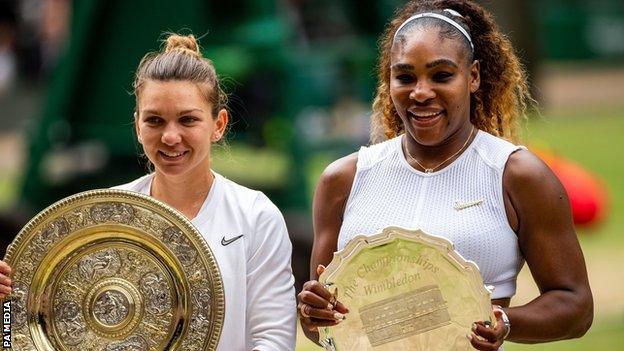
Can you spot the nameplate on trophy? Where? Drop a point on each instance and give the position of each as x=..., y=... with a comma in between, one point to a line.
x=405, y=290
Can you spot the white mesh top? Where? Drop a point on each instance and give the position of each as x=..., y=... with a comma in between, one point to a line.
x=462, y=202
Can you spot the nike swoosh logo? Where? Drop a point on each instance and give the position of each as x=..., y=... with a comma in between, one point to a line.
x=464, y=205
x=231, y=240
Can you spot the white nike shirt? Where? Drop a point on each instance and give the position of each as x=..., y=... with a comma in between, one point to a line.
x=260, y=309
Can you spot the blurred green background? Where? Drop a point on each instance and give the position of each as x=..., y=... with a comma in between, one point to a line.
x=300, y=74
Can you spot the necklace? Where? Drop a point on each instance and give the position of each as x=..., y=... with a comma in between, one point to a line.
x=430, y=170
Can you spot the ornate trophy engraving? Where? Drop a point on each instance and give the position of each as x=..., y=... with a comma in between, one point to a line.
x=112, y=270
x=405, y=290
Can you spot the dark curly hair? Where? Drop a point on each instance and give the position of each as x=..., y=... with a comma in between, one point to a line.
x=503, y=96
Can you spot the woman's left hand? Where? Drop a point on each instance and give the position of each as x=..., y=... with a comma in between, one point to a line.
x=484, y=337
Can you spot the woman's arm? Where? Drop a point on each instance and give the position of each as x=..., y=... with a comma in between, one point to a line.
x=539, y=211
x=329, y=203
x=271, y=314
x=549, y=244
x=330, y=199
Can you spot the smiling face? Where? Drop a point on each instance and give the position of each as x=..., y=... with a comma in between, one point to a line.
x=430, y=85
x=176, y=126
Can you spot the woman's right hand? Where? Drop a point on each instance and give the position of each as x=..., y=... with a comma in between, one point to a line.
x=318, y=307
x=5, y=281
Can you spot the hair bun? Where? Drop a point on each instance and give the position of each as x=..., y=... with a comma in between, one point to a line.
x=186, y=43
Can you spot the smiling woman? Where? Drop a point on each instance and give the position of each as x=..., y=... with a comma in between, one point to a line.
x=176, y=127
x=180, y=112
x=431, y=87
x=450, y=94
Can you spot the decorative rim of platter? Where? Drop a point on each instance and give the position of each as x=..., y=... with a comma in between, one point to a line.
x=391, y=233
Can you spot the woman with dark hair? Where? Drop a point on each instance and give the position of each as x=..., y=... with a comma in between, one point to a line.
x=451, y=93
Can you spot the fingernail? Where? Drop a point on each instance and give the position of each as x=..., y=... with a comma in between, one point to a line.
x=339, y=316
x=474, y=327
x=330, y=306
x=468, y=336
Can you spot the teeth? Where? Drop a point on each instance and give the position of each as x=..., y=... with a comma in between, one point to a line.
x=172, y=155
x=426, y=115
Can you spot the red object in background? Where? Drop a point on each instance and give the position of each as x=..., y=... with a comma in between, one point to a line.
x=587, y=193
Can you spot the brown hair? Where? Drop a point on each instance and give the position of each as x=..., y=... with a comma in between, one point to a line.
x=503, y=95
x=182, y=60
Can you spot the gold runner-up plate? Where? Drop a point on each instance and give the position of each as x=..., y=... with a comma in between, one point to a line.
x=113, y=270
x=405, y=290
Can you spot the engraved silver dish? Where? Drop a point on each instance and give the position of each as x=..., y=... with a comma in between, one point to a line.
x=405, y=290
x=113, y=270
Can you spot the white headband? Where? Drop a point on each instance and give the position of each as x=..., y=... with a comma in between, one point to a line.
x=442, y=17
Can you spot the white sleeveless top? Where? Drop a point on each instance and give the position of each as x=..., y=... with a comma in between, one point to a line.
x=462, y=202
